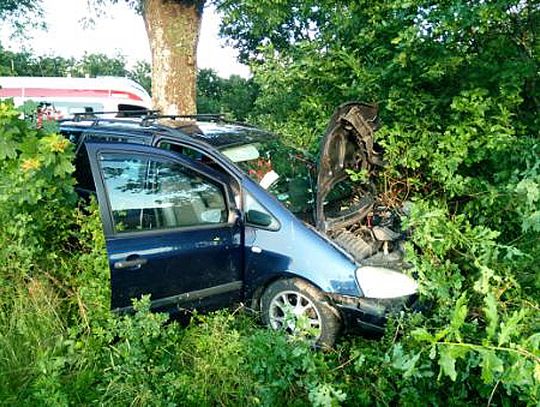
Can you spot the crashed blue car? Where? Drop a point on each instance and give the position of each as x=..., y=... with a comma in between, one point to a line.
x=198, y=215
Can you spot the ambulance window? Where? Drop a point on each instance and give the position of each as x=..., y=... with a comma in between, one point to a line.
x=71, y=108
x=125, y=110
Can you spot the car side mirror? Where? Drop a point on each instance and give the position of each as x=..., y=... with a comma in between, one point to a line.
x=258, y=218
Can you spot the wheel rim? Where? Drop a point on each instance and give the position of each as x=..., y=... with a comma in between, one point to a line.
x=296, y=314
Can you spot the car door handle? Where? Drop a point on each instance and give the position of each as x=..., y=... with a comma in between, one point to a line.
x=138, y=262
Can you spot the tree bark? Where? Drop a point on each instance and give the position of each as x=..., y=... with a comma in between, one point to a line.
x=173, y=28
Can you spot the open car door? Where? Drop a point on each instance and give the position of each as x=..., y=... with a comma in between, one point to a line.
x=171, y=228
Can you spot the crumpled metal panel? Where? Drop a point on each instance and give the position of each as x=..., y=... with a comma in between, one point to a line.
x=347, y=144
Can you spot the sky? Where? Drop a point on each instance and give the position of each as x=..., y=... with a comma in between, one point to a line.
x=121, y=31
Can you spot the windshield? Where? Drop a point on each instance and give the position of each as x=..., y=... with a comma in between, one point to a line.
x=285, y=172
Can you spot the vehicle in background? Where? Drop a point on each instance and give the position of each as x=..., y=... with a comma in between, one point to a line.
x=59, y=97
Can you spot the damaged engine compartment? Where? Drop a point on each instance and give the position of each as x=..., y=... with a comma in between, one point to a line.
x=348, y=209
x=338, y=195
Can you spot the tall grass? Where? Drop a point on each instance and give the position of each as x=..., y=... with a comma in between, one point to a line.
x=32, y=333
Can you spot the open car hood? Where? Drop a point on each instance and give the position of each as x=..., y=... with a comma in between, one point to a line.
x=347, y=145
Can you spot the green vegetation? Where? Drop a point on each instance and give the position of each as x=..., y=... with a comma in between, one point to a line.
x=459, y=93
x=21, y=13
x=26, y=64
x=234, y=96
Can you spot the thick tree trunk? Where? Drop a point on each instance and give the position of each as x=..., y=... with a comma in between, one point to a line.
x=173, y=31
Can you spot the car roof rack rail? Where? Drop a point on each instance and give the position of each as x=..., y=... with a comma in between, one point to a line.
x=207, y=116
x=147, y=117
x=131, y=113
x=214, y=117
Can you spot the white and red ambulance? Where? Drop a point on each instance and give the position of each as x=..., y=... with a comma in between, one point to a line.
x=69, y=96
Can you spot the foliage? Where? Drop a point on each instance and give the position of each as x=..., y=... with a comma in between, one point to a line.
x=234, y=96
x=30, y=163
x=14, y=6
x=52, y=261
x=100, y=64
x=26, y=64
x=21, y=13
x=141, y=74
x=458, y=89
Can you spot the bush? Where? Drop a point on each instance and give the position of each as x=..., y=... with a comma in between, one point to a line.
x=462, y=143
x=458, y=92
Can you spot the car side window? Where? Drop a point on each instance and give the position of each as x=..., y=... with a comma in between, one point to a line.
x=192, y=154
x=204, y=159
x=83, y=173
x=148, y=194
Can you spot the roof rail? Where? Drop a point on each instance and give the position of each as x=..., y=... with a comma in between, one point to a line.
x=147, y=117
x=96, y=121
x=208, y=116
x=217, y=117
x=119, y=113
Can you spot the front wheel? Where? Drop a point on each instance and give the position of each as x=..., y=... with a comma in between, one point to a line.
x=300, y=309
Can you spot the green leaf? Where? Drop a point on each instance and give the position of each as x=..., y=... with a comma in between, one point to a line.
x=510, y=327
x=482, y=285
x=7, y=148
x=459, y=315
x=530, y=188
x=403, y=361
x=63, y=168
x=492, y=316
x=531, y=222
x=447, y=362
x=448, y=354
x=537, y=372
x=422, y=335
x=492, y=366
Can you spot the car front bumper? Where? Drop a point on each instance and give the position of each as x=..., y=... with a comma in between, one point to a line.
x=371, y=314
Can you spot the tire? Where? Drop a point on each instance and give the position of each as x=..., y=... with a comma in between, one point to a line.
x=299, y=309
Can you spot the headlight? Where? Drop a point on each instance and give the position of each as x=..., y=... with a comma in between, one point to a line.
x=380, y=282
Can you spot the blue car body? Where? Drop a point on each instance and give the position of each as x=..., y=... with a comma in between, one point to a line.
x=224, y=258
